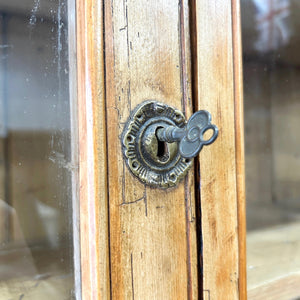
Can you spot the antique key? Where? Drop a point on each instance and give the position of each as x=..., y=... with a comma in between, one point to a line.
x=190, y=137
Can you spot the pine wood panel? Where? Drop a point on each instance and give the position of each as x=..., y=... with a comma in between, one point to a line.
x=239, y=144
x=92, y=145
x=218, y=90
x=152, y=231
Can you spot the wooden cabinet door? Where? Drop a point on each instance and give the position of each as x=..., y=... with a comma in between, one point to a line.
x=138, y=242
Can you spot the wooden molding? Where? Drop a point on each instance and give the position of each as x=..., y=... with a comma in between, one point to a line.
x=218, y=89
x=93, y=157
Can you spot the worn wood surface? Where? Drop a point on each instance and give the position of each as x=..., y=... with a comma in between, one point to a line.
x=218, y=90
x=152, y=231
x=92, y=139
x=239, y=144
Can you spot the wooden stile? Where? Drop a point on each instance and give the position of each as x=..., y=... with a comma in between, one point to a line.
x=152, y=231
x=219, y=90
x=92, y=145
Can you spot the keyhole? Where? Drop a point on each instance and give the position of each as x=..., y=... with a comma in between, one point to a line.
x=163, y=154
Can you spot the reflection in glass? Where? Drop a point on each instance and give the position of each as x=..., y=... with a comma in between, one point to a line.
x=36, y=166
x=271, y=57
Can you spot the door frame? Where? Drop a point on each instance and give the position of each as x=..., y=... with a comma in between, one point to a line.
x=215, y=29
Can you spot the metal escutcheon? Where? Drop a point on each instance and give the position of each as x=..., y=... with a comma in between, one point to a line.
x=158, y=144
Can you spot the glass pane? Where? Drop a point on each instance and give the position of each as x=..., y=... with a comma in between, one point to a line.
x=271, y=57
x=37, y=166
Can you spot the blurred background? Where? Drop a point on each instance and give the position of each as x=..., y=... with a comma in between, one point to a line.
x=271, y=62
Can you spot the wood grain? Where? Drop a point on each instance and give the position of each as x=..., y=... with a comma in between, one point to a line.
x=239, y=144
x=218, y=90
x=92, y=144
x=152, y=231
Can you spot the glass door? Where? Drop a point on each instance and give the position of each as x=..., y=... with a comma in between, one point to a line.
x=271, y=47
x=38, y=155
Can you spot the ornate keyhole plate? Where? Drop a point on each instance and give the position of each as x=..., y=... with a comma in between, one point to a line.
x=154, y=162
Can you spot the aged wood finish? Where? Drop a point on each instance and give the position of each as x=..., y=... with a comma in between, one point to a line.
x=152, y=231
x=239, y=144
x=218, y=90
x=92, y=139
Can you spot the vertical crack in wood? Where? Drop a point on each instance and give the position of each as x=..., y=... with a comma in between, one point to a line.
x=194, y=79
x=107, y=165
x=184, y=88
x=145, y=201
x=127, y=35
x=188, y=238
x=183, y=69
x=123, y=183
x=132, y=279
